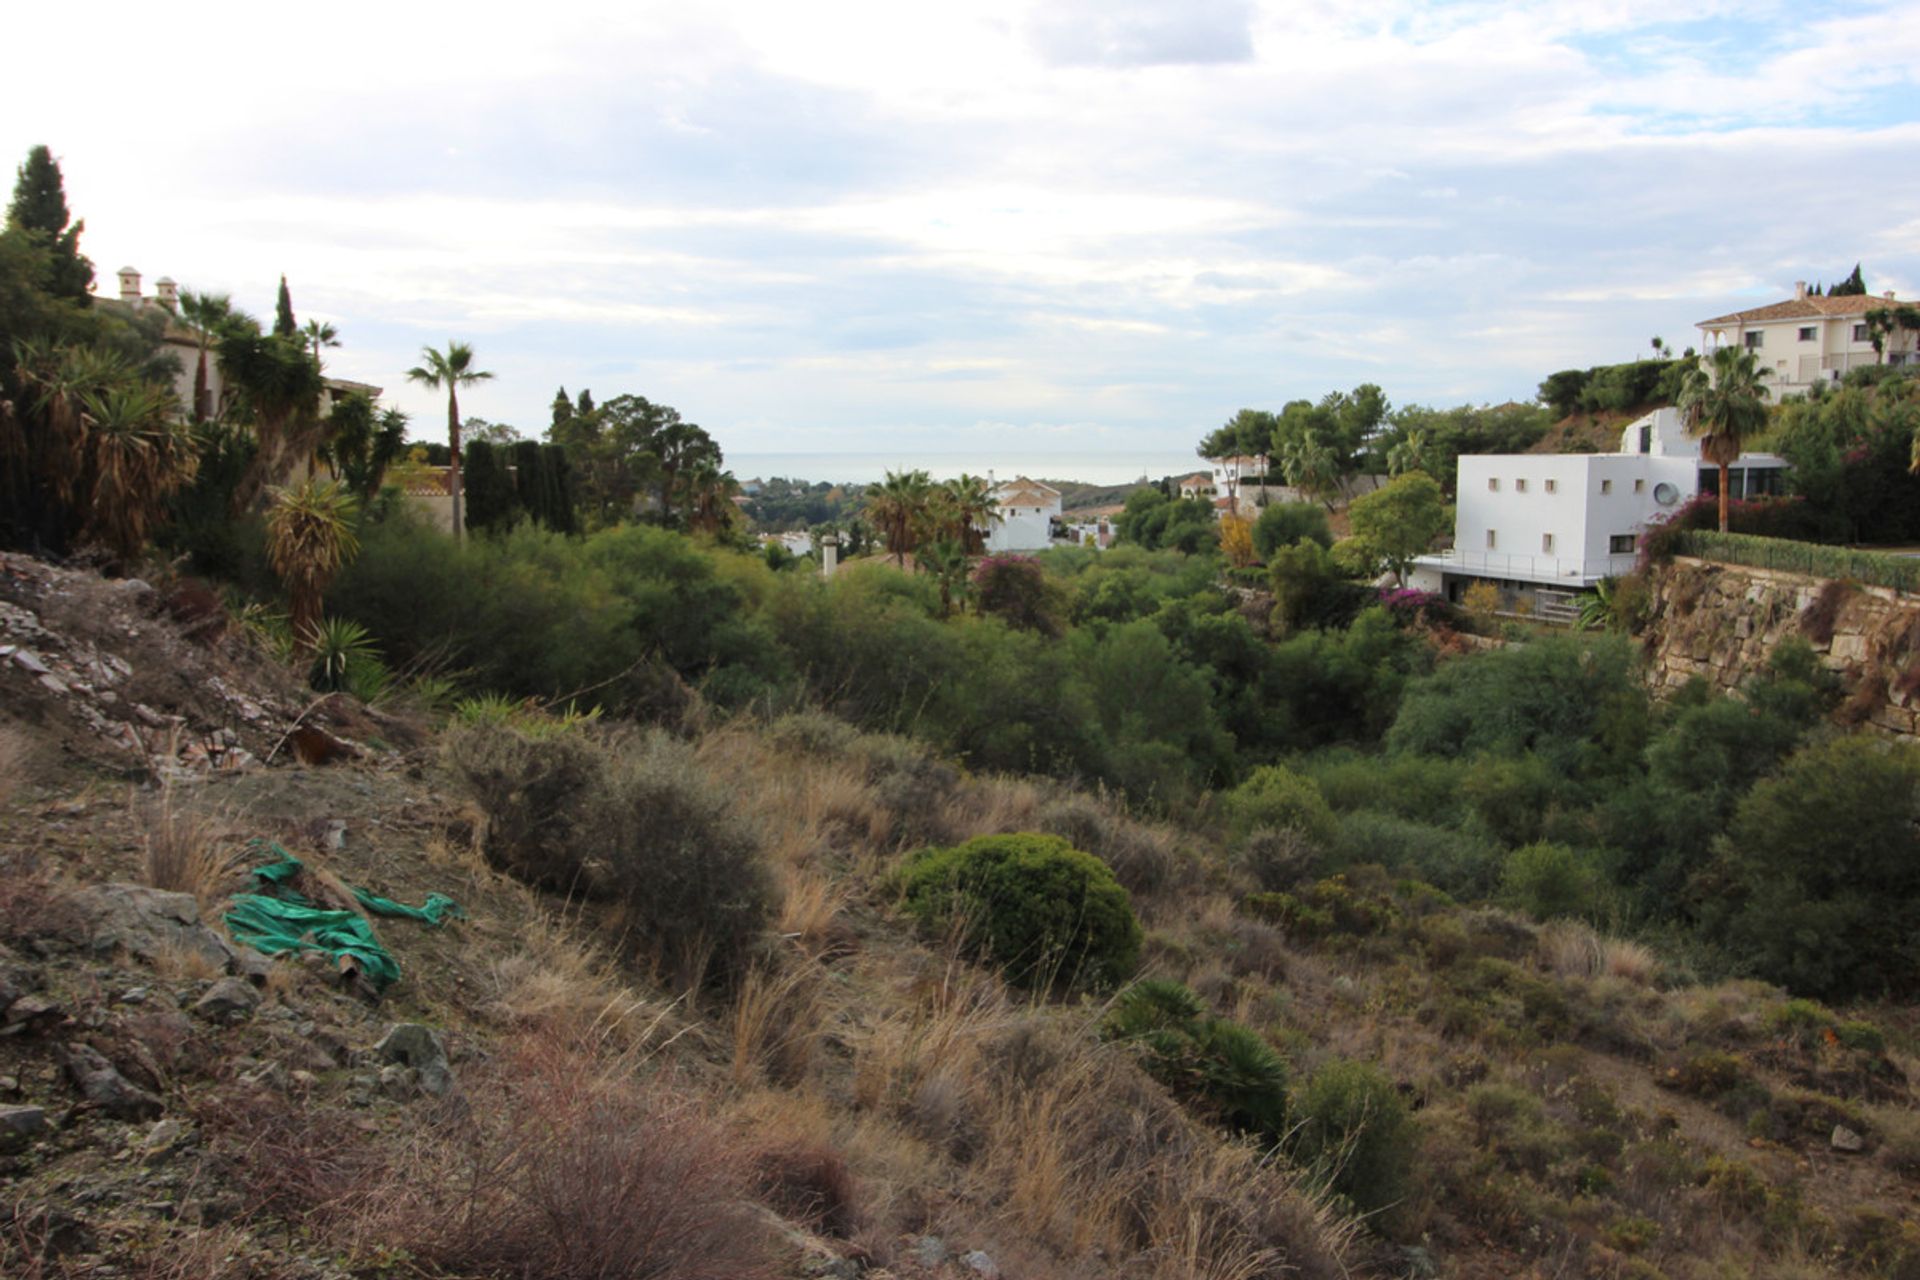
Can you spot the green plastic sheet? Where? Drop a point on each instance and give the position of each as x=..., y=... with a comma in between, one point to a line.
x=280, y=919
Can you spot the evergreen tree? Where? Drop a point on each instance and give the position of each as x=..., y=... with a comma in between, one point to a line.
x=586, y=404
x=283, y=325
x=562, y=408
x=40, y=208
x=492, y=503
x=1854, y=286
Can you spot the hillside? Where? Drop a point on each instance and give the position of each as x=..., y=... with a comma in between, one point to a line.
x=850, y=1095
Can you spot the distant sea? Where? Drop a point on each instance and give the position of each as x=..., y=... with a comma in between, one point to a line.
x=1117, y=467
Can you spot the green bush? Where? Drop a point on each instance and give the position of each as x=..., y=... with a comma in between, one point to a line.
x=629, y=819
x=1463, y=864
x=1043, y=911
x=1356, y=1128
x=1824, y=864
x=1224, y=1070
x=1285, y=523
x=1279, y=798
x=1547, y=880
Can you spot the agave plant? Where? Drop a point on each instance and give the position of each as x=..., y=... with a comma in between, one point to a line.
x=1597, y=612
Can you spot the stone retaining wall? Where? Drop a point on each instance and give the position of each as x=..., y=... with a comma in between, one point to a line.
x=1722, y=622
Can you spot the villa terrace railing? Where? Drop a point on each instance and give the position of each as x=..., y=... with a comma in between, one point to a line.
x=1816, y=560
x=1489, y=564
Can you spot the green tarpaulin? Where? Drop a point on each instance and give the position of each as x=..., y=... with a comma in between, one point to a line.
x=280, y=918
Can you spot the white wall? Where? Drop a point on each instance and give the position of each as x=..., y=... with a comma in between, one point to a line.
x=1022, y=528
x=1592, y=499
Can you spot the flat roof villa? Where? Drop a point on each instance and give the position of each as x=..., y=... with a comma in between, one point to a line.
x=1562, y=522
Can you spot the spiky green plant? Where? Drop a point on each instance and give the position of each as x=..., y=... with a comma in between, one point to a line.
x=309, y=538
x=338, y=645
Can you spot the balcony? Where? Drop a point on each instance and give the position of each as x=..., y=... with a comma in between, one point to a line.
x=1521, y=568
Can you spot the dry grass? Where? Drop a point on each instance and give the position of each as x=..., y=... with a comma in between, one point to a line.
x=570, y=993
x=811, y=914
x=1629, y=961
x=193, y=848
x=775, y=1024
x=13, y=760
x=1570, y=949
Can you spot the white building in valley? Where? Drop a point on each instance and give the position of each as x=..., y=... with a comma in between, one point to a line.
x=1810, y=338
x=1025, y=514
x=1544, y=526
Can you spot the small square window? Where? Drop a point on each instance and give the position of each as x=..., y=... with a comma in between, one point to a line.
x=1860, y=333
x=1620, y=544
x=1493, y=484
x=1754, y=339
x=1519, y=486
x=1606, y=486
x=1553, y=486
x=1639, y=486
x=1493, y=539
x=1806, y=333
x=1546, y=543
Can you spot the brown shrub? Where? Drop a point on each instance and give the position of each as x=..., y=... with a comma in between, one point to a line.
x=632, y=818
x=1142, y=858
x=810, y=1184
x=543, y=1168
x=1822, y=613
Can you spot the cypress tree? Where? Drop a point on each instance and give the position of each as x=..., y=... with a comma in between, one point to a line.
x=562, y=408
x=491, y=502
x=1854, y=286
x=40, y=208
x=586, y=402
x=557, y=477
x=529, y=466
x=283, y=325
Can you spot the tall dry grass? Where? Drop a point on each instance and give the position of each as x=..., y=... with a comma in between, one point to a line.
x=193, y=848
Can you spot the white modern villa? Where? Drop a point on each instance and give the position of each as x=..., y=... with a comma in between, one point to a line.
x=1809, y=338
x=1543, y=526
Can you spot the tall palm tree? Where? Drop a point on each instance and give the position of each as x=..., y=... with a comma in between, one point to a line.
x=454, y=369
x=947, y=561
x=1409, y=453
x=1724, y=404
x=898, y=508
x=318, y=334
x=309, y=538
x=1311, y=467
x=205, y=314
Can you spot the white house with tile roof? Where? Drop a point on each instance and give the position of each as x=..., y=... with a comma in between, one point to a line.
x=1024, y=515
x=1809, y=338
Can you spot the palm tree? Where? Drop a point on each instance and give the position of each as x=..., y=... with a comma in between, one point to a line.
x=138, y=453
x=962, y=509
x=453, y=368
x=898, y=508
x=1409, y=453
x=947, y=561
x=319, y=334
x=1311, y=467
x=278, y=387
x=1724, y=404
x=204, y=314
x=309, y=538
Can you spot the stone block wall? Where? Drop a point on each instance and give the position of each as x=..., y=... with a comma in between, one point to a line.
x=1722, y=623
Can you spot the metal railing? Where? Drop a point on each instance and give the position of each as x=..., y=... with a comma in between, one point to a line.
x=1493, y=564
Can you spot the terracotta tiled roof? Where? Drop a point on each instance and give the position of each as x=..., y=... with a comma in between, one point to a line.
x=1811, y=307
x=1197, y=478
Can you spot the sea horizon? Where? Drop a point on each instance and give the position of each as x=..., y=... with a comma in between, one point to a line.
x=1105, y=468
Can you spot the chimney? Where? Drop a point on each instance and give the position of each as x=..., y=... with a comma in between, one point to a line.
x=829, y=555
x=1888, y=295
x=1799, y=290
x=130, y=285
x=167, y=293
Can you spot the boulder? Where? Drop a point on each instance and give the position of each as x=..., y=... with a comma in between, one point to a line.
x=147, y=923
x=20, y=1125
x=415, y=1045
x=1845, y=1139
x=102, y=1085
x=228, y=1000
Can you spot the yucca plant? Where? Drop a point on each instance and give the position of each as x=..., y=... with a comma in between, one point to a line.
x=309, y=538
x=339, y=645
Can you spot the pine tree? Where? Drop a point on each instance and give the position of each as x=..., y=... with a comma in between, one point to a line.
x=40, y=208
x=283, y=325
x=586, y=403
x=1854, y=286
x=562, y=407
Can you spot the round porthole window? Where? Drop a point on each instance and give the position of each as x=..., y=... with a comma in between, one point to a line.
x=1665, y=494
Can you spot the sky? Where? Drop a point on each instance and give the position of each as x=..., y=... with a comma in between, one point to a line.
x=1086, y=225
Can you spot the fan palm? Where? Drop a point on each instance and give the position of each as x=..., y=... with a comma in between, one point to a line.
x=205, y=315
x=453, y=369
x=1311, y=467
x=962, y=509
x=1724, y=404
x=309, y=538
x=947, y=561
x=318, y=334
x=897, y=506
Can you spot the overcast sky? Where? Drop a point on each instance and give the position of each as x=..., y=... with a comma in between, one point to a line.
x=1065, y=224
